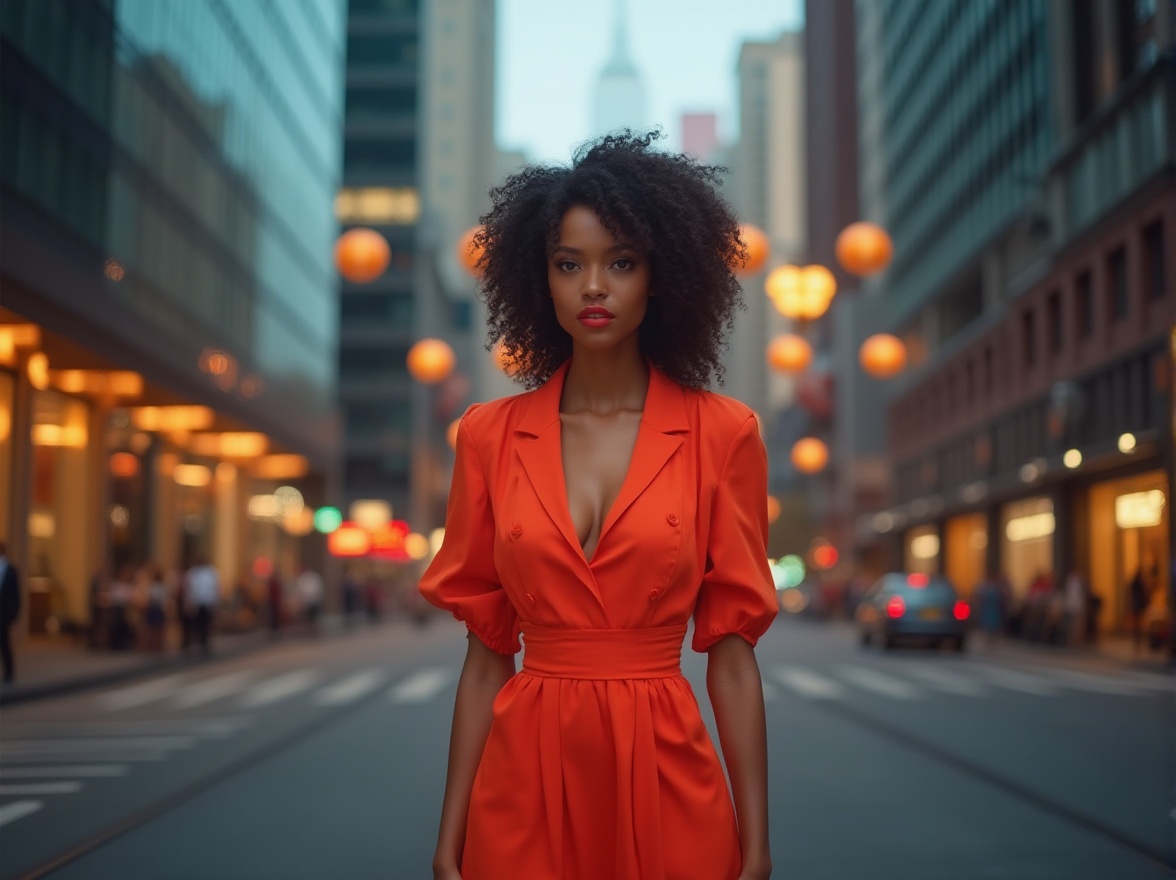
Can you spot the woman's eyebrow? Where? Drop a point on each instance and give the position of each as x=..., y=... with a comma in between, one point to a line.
x=623, y=246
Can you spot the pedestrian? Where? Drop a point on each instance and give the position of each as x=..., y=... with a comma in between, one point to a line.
x=351, y=596
x=311, y=591
x=9, y=610
x=155, y=610
x=1139, y=596
x=990, y=609
x=274, y=591
x=595, y=515
x=122, y=596
x=1073, y=609
x=202, y=593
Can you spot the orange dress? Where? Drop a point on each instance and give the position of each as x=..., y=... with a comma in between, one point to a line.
x=598, y=765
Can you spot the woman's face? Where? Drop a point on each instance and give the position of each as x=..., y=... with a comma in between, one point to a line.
x=599, y=284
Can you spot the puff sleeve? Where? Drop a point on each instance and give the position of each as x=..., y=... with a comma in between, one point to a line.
x=462, y=578
x=738, y=594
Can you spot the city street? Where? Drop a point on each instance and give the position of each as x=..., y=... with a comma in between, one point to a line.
x=317, y=758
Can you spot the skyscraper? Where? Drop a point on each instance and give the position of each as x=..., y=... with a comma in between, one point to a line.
x=620, y=95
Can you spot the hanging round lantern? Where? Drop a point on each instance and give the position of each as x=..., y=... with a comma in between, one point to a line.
x=470, y=250
x=801, y=293
x=789, y=353
x=773, y=508
x=757, y=246
x=883, y=356
x=430, y=361
x=809, y=455
x=864, y=248
x=362, y=255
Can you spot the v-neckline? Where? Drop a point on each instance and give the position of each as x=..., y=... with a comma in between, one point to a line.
x=606, y=521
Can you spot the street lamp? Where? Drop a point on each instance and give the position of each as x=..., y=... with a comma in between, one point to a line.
x=801, y=293
x=789, y=353
x=864, y=248
x=430, y=361
x=756, y=242
x=809, y=455
x=362, y=255
x=883, y=356
x=471, y=248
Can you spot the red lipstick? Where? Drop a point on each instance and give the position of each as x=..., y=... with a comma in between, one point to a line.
x=595, y=316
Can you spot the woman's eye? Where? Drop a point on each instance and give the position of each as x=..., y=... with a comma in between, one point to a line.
x=624, y=263
x=565, y=265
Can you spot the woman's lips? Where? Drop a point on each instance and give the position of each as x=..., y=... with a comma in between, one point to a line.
x=595, y=316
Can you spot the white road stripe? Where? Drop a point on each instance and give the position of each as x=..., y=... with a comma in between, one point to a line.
x=141, y=694
x=1090, y=681
x=808, y=684
x=350, y=689
x=81, y=757
x=949, y=682
x=41, y=788
x=421, y=686
x=276, y=689
x=85, y=771
x=213, y=689
x=208, y=728
x=18, y=810
x=879, y=682
x=108, y=745
x=1154, y=681
x=1016, y=681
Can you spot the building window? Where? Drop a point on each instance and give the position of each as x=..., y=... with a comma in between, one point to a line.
x=381, y=50
x=1053, y=322
x=1029, y=338
x=1153, y=260
x=1084, y=299
x=1117, y=284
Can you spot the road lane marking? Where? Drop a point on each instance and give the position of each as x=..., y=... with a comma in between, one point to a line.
x=350, y=689
x=210, y=689
x=40, y=788
x=1089, y=681
x=879, y=682
x=949, y=682
x=1154, y=681
x=81, y=757
x=1016, y=681
x=808, y=684
x=141, y=694
x=276, y=689
x=18, y=810
x=208, y=728
x=85, y=771
x=421, y=686
x=107, y=745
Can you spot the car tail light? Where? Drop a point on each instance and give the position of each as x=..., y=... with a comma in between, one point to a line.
x=961, y=611
x=918, y=581
x=895, y=607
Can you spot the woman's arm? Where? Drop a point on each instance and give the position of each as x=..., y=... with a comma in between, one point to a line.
x=736, y=693
x=482, y=677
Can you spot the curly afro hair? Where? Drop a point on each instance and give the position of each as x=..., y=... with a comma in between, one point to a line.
x=666, y=205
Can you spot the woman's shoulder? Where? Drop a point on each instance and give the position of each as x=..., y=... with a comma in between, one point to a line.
x=494, y=416
x=720, y=413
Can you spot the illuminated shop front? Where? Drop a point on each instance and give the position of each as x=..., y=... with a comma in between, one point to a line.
x=1128, y=535
x=921, y=549
x=1027, y=542
x=966, y=539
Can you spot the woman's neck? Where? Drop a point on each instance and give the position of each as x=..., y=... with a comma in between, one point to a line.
x=605, y=382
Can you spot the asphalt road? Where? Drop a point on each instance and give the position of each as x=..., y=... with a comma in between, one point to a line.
x=325, y=759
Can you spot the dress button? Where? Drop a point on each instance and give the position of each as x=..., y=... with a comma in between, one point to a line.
x=530, y=598
x=516, y=530
x=672, y=518
x=653, y=594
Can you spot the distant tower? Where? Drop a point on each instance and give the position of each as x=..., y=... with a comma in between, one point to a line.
x=620, y=95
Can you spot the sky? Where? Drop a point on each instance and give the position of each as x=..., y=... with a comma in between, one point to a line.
x=551, y=52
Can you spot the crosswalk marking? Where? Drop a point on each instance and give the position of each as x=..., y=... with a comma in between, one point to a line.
x=1154, y=681
x=421, y=686
x=141, y=694
x=18, y=810
x=350, y=689
x=205, y=728
x=949, y=682
x=808, y=684
x=879, y=682
x=213, y=689
x=84, y=771
x=81, y=756
x=1017, y=681
x=276, y=689
x=41, y=788
x=106, y=744
x=1101, y=684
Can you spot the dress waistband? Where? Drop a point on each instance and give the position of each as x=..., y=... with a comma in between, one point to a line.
x=603, y=654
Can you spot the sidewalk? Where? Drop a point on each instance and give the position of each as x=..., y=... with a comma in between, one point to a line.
x=47, y=667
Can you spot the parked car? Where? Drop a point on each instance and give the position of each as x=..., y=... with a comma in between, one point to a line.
x=904, y=605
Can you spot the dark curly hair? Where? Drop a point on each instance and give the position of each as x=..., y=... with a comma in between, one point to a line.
x=666, y=205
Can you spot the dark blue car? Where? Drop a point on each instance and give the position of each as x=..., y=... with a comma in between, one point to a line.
x=913, y=606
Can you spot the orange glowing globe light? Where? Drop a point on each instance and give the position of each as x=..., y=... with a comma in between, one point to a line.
x=773, y=508
x=124, y=465
x=864, y=248
x=789, y=353
x=757, y=246
x=430, y=361
x=883, y=356
x=470, y=250
x=362, y=255
x=349, y=540
x=509, y=364
x=801, y=293
x=809, y=455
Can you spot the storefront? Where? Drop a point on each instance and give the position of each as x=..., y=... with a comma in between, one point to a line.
x=921, y=549
x=1128, y=537
x=1027, y=544
x=966, y=540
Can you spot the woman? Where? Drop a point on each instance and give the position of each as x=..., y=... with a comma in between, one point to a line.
x=593, y=516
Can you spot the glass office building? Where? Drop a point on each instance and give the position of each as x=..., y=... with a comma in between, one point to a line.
x=169, y=304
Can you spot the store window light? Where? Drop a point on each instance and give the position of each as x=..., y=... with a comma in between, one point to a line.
x=400, y=206
x=1138, y=510
x=1031, y=527
x=1072, y=459
x=1127, y=443
x=925, y=547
